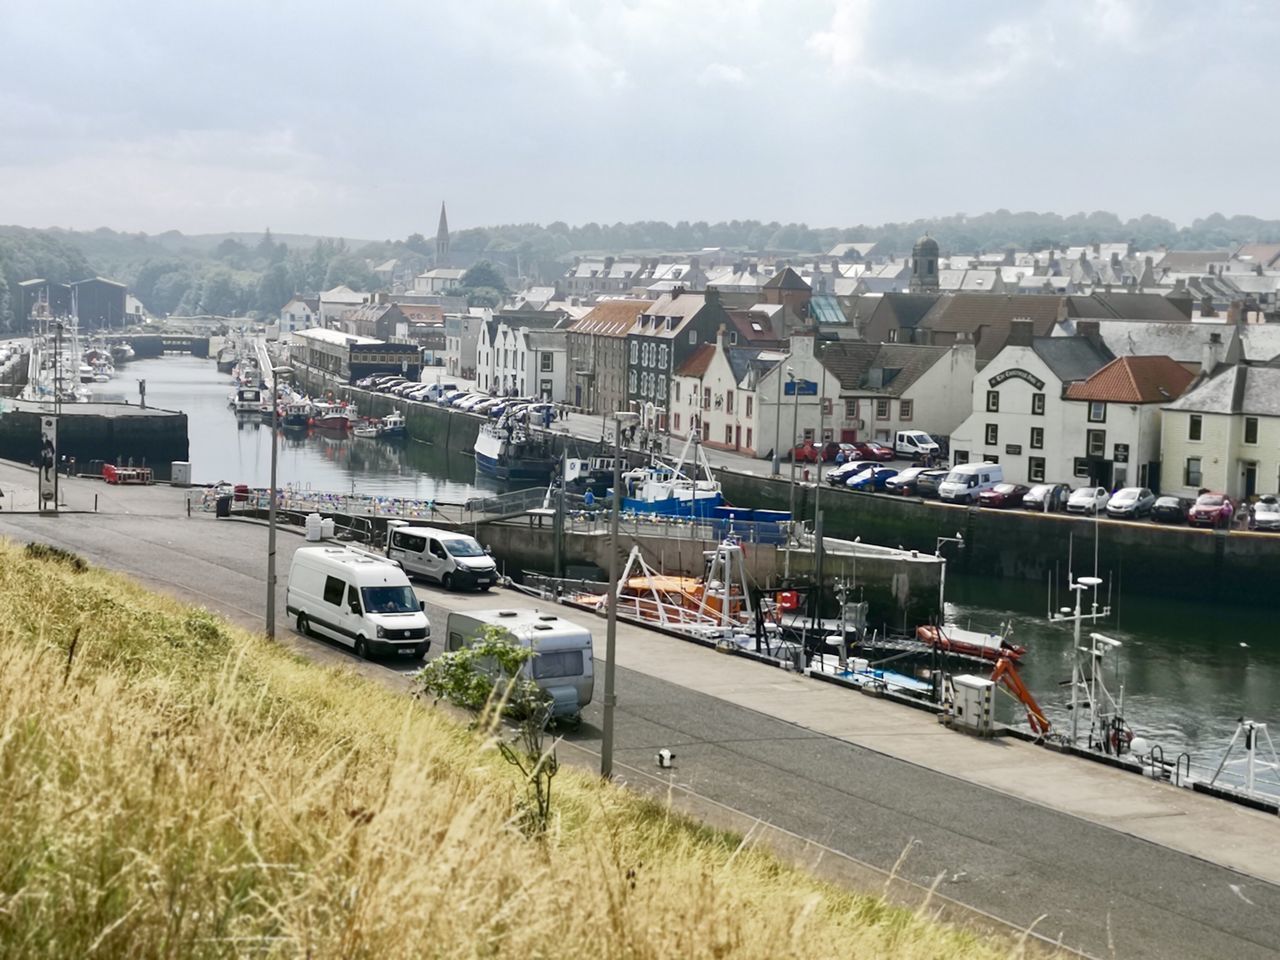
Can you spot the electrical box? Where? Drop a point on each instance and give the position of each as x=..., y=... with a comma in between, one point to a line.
x=974, y=708
x=180, y=473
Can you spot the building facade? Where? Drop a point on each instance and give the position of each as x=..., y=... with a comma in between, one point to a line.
x=660, y=340
x=522, y=357
x=597, y=355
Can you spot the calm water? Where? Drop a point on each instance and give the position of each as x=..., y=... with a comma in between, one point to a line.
x=239, y=451
x=1189, y=670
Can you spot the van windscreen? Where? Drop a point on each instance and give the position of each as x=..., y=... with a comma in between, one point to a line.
x=958, y=476
x=389, y=599
x=463, y=548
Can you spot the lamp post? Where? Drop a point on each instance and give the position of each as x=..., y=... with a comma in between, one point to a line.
x=276, y=374
x=777, y=425
x=611, y=621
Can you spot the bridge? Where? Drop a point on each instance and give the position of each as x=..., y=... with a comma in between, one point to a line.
x=157, y=344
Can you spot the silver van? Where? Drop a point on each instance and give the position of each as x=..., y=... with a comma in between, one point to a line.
x=454, y=560
x=562, y=665
x=967, y=480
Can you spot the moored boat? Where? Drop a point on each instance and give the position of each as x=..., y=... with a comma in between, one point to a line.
x=666, y=489
x=508, y=451
x=393, y=426
x=971, y=643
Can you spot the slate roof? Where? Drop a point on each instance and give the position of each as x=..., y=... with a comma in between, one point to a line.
x=1254, y=391
x=684, y=307
x=989, y=315
x=786, y=279
x=610, y=318
x=1126, y=306
x=1071, y=358
x=852, y=362
x=696, y=364
x=1263, y=253
x=1191, y=261
x=1134, y=380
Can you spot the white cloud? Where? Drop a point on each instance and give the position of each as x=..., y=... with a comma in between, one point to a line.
x=722, y=73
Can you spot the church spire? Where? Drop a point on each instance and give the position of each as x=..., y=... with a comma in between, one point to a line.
x=442, y=238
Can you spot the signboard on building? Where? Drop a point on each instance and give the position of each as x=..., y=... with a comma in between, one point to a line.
x=1122, y=453
x=1013, y=449
x=48, y=463
x=805, y=388
x=1016, y=373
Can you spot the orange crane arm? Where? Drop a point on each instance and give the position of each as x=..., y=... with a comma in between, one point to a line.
x=1006, y=673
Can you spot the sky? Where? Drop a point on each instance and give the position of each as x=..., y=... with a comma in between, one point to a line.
x=358, y=119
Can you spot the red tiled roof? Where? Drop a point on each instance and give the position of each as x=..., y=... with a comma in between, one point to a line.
x=610, y=318
x=695, y=365
x=1134, y=380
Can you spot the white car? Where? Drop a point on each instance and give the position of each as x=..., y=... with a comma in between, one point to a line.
x=1088, y=500
x=472, y=402
x=1266, y=513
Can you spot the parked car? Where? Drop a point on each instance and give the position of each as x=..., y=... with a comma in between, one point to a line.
x=928, y=480
x=915, y=445
x=873, y=479
x=1170, y=509
x=1088, y=500
x=871, y=450
x=1004, y=495
x=448, y=395
x=807, y=452
x=1265, y=514
x=1054, y=494
x=841, y=474
x=1210, y=510
x=905, y=482
x=1130, y=503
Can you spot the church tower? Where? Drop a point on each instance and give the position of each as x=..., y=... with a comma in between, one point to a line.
x=924, y=266
x=442, y=239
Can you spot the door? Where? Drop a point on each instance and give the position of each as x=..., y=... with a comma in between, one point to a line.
x=1250, y=479
x=737, y=437
x=352, y=614
x=436, y=559
x=577, y=395
x=848, y=436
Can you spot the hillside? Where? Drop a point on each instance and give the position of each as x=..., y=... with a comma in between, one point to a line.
x=173, y=786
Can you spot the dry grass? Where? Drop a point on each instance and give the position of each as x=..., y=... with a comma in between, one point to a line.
x=178, y=788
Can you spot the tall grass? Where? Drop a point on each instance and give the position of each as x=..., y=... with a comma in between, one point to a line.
x=173, y=787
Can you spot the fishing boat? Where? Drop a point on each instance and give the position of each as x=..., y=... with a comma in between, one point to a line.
x=589, y=473
x=667, y=489
x=121, y=352
x=247, y=400
x=297, y=415
x=508, y=450
x=393, y=427
x=333, y=416
x=367, y=430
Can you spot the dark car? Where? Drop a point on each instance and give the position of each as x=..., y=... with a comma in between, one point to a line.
x=905, y=482
x=1170, y=510
x=1211, y=510
x=1004, y=495
x=1130, y=503
x=839, y=476
x=873, y=479
x=871, y=450
x=927, y=482
x=1050, y=497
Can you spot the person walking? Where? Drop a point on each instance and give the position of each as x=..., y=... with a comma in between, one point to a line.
x=1226, y=513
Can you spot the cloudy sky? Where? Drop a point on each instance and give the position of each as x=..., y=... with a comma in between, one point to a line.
x=357, y=119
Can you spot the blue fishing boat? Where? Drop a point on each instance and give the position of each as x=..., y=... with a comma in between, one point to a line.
x=673, y=489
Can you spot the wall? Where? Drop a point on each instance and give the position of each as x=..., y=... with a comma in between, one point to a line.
x=1195, y=565
x=150, y=440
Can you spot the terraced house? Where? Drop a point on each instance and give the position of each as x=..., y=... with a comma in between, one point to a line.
x=660, y=340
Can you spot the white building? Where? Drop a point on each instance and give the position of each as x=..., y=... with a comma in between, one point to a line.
x=461, y=340
x=438, y=280
x=522, y=358
x=1019, y=415
x=715, y=392
x=1223, y=434
x=881, y=388
x=334, y=303
x=298, y=314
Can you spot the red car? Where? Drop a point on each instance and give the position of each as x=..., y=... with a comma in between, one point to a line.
x=870, y=450
x=1004, y=495
x=810, y=452
x=1211, y=510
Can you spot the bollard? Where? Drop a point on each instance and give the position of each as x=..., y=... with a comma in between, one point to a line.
x=95, y=503
x=188, y=508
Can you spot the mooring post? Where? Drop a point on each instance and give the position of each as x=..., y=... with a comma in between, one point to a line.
x=95, y=503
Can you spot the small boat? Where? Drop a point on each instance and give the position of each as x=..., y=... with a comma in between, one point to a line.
x=393, y=426
x=297, y=415
x=367, y=431
x=970, y=643
x=333, y=416
x=121, y=353
x=590, y=473
x=247, y=400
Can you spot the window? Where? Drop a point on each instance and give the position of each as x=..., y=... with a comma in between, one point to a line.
x=333, y=590
x=635, y=351
x=851, y=409
x=1191, y=474
x=1193, y=427
x=1037, y=404
x=675, y=422
x=1250, y=429
x=547, y=362
x=706, y=431
x=749, y=438
x=882, y=409
x=905, y=409
x=1081, y=467
x=728, y=401
x=826, y=407
x=1097, y=412
x=675, y=389
x=662, y=386
x=993, y=401
x=1037, y=438
x=993, y=434
x=559, y=663
x=1035, y=469
x=728, y=434
x=353, y=599
x=706, y=398
x=631, y=380
x=960, y=456
x=693, y=336
x=1096, y=443
x=749, y=405
x=662, y=355
x=808, y=434
x=544, y=389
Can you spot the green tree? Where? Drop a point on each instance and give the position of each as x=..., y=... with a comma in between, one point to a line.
x=484, y=274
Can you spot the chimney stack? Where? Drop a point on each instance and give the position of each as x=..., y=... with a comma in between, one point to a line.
x=1090, y=330
x=1020, y=333
x=1206, y=306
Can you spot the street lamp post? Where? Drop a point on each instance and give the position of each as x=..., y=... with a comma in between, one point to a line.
x=795, y=430
x=276, y=374
x=611, y=621
x=777, y=426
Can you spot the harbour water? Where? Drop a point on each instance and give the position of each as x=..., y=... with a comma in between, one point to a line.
x=1188, y=670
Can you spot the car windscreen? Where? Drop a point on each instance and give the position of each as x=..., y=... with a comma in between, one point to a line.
x=463, y=548
x=1124, y=496
x=1003, y=488
x=389, y=599
x=1209, y=500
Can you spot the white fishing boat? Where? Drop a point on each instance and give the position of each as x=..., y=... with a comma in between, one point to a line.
x=686, y=488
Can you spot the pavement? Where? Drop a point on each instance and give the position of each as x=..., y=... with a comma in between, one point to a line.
x=1111, y=863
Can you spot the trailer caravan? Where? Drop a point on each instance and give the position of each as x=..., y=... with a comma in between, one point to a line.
x=562, y=664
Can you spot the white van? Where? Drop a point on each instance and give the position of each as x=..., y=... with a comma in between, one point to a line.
x=454, y=559
x=966, y=481
x=562, y=666
x=915, y=444
x=359, y=599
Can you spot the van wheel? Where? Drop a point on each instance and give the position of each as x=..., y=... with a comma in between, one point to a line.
x=362, y=648
x=447, y=581
x=304, y=625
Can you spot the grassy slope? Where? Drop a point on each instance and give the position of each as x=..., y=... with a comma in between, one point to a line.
x=179, y=788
